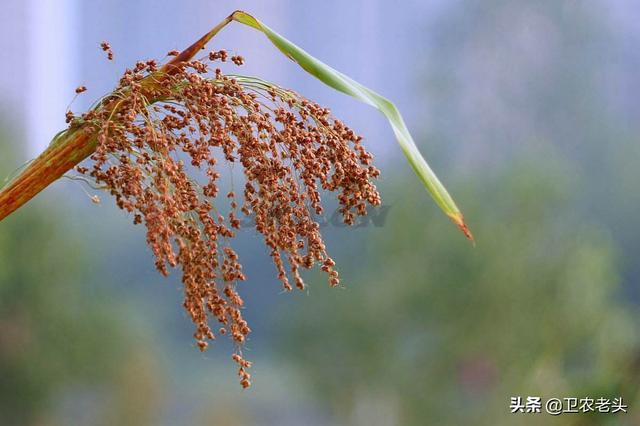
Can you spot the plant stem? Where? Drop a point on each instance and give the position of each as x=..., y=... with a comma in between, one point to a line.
x=60, y=157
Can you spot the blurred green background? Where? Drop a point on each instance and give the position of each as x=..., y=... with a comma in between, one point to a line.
x=529, y=113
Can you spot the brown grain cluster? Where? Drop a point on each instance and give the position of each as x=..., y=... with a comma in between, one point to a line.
x=162, y=148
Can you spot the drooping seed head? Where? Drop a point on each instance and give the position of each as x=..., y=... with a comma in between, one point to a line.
x=162, y=162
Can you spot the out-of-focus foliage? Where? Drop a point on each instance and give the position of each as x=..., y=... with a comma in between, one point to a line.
x=60, y=335
x=433, y=330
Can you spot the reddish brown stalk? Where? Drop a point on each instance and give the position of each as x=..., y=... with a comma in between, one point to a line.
x=189, y=52
x=73, y=147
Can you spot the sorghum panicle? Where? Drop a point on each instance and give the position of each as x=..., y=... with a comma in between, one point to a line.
x=190, y=123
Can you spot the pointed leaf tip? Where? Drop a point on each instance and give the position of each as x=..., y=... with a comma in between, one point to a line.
x=458, y=219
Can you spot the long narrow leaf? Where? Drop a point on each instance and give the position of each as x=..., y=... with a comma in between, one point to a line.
x=343, y=83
